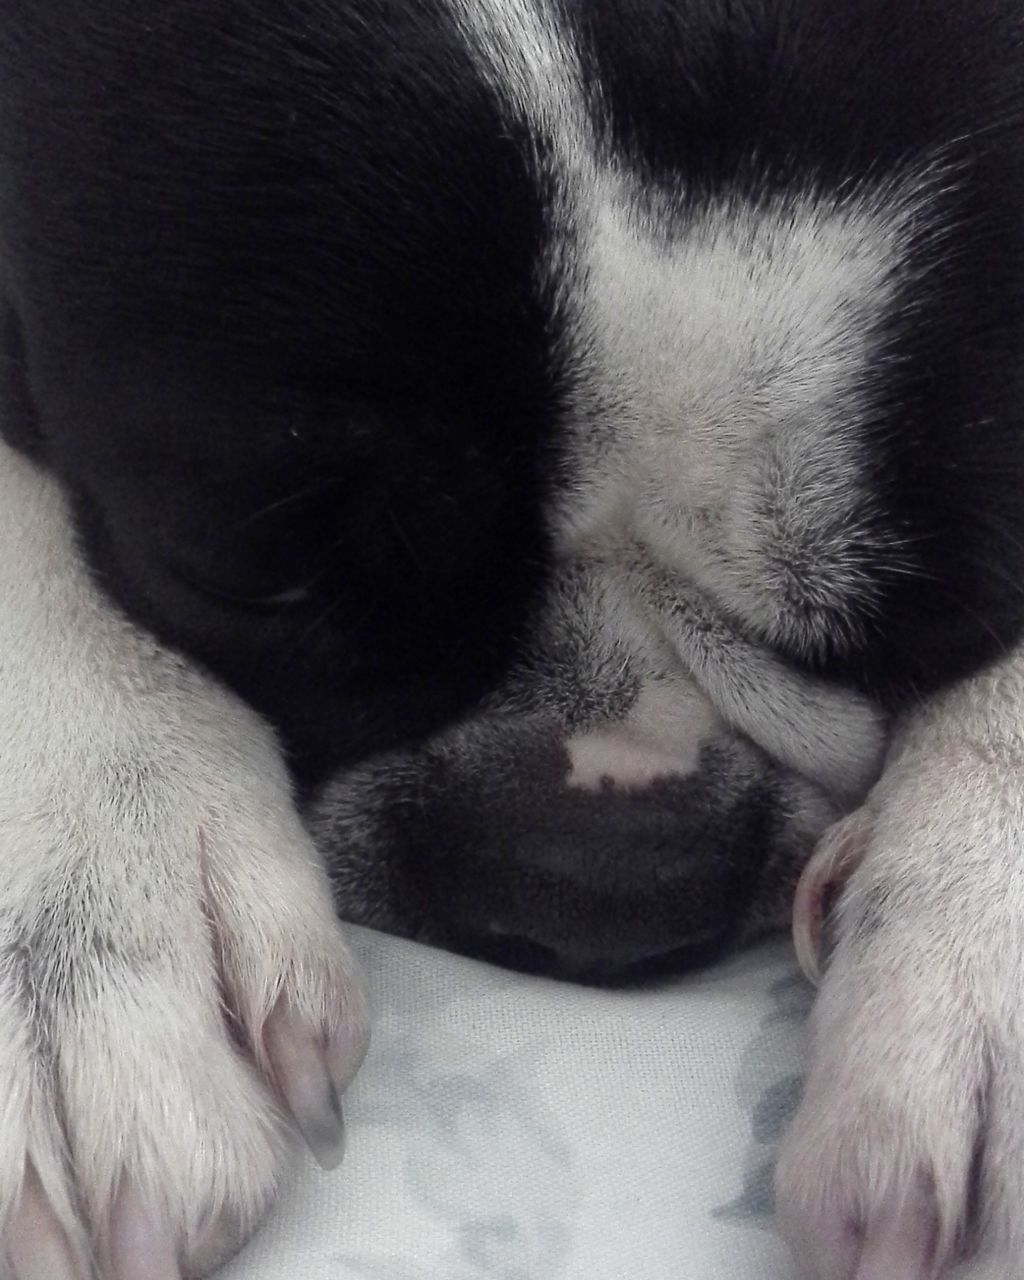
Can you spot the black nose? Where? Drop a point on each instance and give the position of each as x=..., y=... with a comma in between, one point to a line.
x=521, y=869
x=479, y=843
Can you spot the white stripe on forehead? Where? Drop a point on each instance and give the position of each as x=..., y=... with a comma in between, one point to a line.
x=533, y=69
x=737, y=357
x=726, y=356
x=739, y=353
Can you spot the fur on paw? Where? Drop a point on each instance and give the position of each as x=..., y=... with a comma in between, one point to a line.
x=173, y=988
x=906, y=1157
x=173, y=982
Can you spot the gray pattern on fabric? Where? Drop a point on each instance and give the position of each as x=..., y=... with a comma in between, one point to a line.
x=771, y=1105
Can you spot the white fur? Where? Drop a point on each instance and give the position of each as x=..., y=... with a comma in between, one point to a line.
x=697, y=674
x=724, y=357
x=660, y=737
x=826, y=733
x=153, y=869
x=733, y=345
x=919, y=1030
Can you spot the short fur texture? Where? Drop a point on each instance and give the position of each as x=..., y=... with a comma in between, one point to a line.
x=907, y=1155
x=161, y=900
x=572, y=429
x=600, y=816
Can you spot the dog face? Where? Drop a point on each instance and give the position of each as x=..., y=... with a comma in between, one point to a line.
x=353, y=328
x=368, y=311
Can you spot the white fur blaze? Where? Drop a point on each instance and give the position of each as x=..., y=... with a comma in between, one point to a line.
x=729, y=355
x=660, y=737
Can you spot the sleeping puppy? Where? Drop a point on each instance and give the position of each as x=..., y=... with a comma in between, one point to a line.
x=437, y=408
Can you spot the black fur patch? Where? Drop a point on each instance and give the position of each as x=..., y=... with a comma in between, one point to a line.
x=275, y=267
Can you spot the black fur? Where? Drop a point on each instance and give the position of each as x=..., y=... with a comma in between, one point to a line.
x=273, y=267
x=272, y=305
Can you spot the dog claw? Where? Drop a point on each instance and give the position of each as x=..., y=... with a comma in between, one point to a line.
x=300, y=1062
x=141, y=1246
x=346, y=1051
x=839, y=852
x=39, y=1248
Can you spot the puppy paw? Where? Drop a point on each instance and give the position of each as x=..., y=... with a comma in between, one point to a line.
x=906, y=1157
x=173, y=985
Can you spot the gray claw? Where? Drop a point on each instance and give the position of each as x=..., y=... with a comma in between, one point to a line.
x=299, y=1061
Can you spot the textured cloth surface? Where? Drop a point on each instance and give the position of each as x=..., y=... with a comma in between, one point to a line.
x=515, y=1128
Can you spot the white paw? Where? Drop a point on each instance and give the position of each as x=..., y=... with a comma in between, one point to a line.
x=173, y=982
x=906, y=1158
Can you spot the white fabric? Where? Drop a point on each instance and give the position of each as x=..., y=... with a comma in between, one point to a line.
x=514, y=1128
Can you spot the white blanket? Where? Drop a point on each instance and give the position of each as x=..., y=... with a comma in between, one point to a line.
x=514, y=1128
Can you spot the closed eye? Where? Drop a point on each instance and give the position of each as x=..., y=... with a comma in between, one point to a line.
x=294, y=595
x=289, y=598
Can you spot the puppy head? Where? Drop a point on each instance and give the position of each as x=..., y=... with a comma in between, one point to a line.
x=331, y=321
